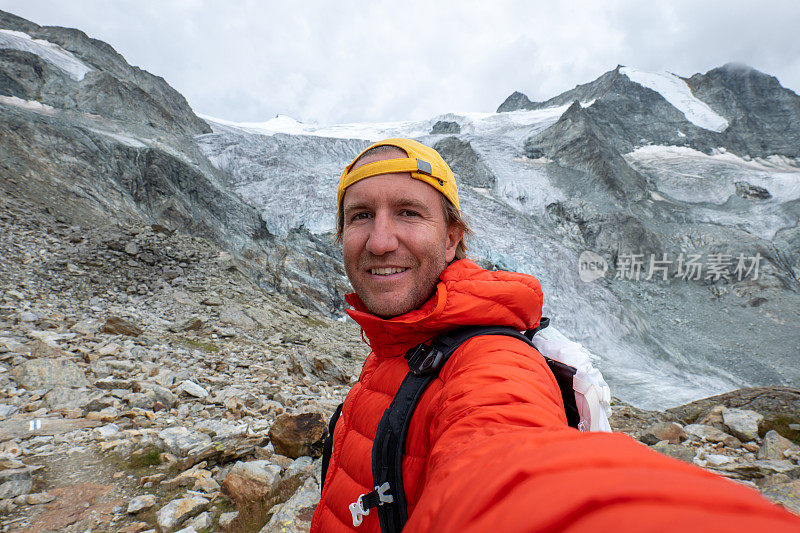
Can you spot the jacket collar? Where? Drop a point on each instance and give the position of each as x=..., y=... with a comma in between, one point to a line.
x=465, y=295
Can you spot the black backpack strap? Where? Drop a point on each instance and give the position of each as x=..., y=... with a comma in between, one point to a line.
x=327, y=446
x=425, y=361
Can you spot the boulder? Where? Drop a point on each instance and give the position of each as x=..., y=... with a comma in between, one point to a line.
x=298, y=435
x=295, y=515
x=243, y=490
x=671, y=432
x=14, y=482
x=187, y=324
x=66, y=398
x=49, y=373
x=683, y=453
x=783, y=490
x=39, y=498
x=779, y=405
x=119, y=326
x=201, y=522
x=264, y=472
x=159, y=393
x=775, y=445
x=226, y=519
x=176, y=512
x=7, y=410
x=192, y=389
x=182, y=441
x=141, y=503
x=712, y=434
x=743, y=423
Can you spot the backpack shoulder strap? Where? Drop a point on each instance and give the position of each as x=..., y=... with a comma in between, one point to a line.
x=424, y=361
x=327, y=446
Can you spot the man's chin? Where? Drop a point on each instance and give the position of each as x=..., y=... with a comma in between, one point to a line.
x=384, y=311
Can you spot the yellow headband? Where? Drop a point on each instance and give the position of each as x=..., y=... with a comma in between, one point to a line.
x=423, y=163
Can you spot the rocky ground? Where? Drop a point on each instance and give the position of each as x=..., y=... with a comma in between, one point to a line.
x=146, y=384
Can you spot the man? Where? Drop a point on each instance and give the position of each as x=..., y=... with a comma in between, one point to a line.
x=488, y=447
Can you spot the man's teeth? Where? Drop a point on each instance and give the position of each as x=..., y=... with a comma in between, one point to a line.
x=386, y=271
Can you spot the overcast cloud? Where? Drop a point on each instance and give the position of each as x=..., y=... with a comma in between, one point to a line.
x=248, y=60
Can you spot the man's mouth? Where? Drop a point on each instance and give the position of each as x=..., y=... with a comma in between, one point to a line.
x=387, y=271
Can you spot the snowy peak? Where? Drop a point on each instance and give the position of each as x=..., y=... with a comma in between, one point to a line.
x=675, y=91
x=52, y=53
x=733, y=107
x=66, y=69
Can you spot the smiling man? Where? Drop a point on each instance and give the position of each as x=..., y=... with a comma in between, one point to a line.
x=488, y=447
x=395, y=234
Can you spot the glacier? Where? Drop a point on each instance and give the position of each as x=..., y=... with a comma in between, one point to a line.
x=676, y=92
x=50, y=52
x=289, y=171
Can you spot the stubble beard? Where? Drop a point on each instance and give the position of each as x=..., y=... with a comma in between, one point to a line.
x=386, y=306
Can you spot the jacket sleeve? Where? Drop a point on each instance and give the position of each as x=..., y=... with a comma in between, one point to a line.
x=504, y=459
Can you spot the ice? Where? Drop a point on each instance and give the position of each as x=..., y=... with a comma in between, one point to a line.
x=289, y=171
x=124, y=139
x=676, y=92
x=709, y=180
x=50, y=52
x=32, y=105
x=476, y=123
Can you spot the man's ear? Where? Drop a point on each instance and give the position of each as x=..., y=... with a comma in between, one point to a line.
x=454, y=235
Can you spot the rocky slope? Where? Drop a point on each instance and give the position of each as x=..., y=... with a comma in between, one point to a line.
x=138, y=362
x=98, y=141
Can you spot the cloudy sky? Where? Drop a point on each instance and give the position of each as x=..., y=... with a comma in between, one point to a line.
x=343, y=61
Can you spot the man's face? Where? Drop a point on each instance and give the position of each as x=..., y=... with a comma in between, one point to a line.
x=395, y=240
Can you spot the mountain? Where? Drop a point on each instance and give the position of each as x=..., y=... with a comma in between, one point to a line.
x=97, y=142
x=633, y=167
x=734, y=107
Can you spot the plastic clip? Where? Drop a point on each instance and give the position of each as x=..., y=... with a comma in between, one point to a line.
x=423, y=359
x=382, y=490
x=357, y=511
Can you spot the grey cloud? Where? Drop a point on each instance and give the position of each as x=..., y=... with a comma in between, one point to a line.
x=348, y=61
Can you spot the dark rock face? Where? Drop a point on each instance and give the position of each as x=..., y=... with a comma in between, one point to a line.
x=465, y=162
x=516, y=101
x=445, y=126
x=746, y=190
x=577, y=142
x=118, y=146
x=764, y=118
x=115, y=89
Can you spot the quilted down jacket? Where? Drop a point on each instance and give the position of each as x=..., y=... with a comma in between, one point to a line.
x=489, y=448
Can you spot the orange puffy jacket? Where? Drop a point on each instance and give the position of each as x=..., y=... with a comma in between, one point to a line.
x=488, y=447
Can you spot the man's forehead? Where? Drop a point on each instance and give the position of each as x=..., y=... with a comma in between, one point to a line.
x=388, y=152
x=394, y=189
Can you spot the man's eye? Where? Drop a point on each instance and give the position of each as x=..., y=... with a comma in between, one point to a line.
x=409, y=213
x=360, y=216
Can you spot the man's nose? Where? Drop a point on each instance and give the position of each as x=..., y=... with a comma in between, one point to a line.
x=383, y=236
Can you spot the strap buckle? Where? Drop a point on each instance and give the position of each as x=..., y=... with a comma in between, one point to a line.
x=382, y=490
x=375, y=498
x=424, y=359
x=357, y=511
